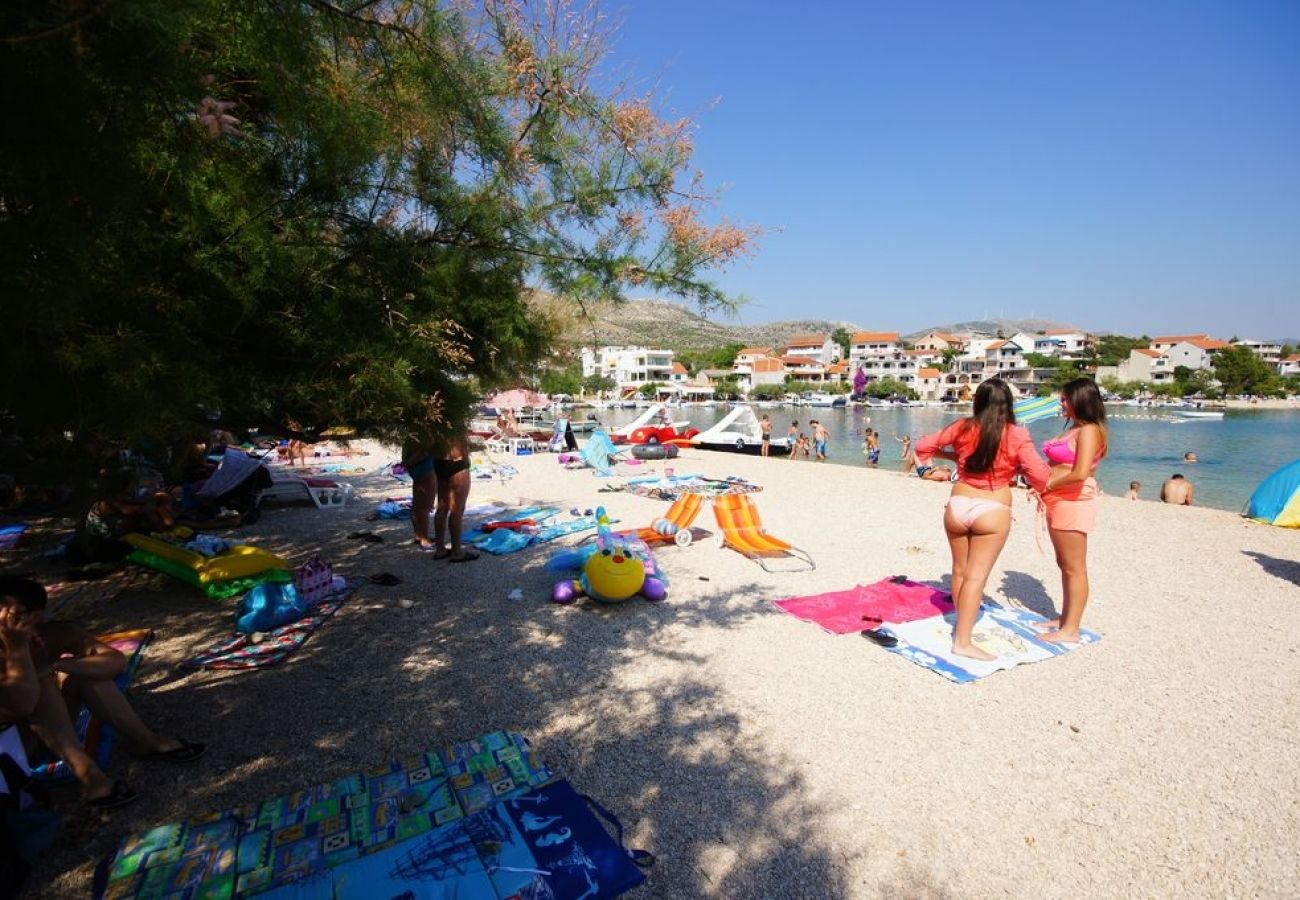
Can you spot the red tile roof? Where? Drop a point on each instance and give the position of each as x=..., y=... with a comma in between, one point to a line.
x=755, y=351
x=874, y=337
x=1147, y=351
x=807, y=340
x=928, y=373
x=995, y=345
x=1063, y=331
x=1208, y=343
x=799, y=361
x=1175, y=338
x=679, y=369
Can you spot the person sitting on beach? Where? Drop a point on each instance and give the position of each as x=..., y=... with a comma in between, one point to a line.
x=451, y=467
x=115, y=513
x=1133, y=488
x=19, y=686
x=989, y=449
x=1189, y=457
x=1177, y=490
x=75, y=670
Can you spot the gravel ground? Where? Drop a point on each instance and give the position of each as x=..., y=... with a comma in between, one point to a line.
x=756, y=755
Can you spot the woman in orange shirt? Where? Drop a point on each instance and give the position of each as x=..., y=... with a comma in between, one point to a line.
x=990, y=450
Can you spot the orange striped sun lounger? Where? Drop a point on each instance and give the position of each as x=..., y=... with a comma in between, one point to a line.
x=742, y=530
x=675, y=526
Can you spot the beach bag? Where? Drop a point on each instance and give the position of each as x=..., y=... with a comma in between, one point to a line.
x=268, y=606
x=314, y=580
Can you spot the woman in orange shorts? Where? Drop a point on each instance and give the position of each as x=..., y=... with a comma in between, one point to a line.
x=1071, y=498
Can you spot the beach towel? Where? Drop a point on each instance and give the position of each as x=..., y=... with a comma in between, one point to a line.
x=1032, y=409
x=96, y=736
x=299, y=836
x=888, y=600
x=240, y=652
x=1006, y=632
x=673, y=487
x=501, y=541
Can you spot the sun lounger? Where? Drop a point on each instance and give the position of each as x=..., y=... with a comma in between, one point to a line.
x=323, y=492
x=681, y=514
x=741, y=529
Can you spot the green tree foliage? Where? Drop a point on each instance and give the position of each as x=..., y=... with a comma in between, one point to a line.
x=650, y=390
x=768, y=391
x=890, y=387
x=597, y=383
x=844, y=338
x=567, y=380
x=322, y=211
x=1111, y=349
x=1240, y=371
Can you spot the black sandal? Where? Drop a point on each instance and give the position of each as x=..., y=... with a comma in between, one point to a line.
x=119, y=796
x=187, y=752
x=880, y=637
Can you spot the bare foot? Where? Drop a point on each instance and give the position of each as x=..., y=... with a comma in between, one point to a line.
x=970, y=651
x=1061, y=637
x=1049, y=625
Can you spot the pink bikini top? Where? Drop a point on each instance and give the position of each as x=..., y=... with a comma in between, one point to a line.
x=1061, y=452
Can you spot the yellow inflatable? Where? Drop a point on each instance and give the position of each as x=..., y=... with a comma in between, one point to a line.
x=242, y=561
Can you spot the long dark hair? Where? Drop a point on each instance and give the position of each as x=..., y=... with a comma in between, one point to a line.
x=1085, y=402
x=993, y=413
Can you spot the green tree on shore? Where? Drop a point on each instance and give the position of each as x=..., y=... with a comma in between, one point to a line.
x=321, y=212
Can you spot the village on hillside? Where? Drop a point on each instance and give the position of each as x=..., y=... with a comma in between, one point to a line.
x=937, y=366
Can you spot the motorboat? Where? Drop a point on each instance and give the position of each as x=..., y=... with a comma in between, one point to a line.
x=1199, y=413
x=836, y=401
x=739, y=432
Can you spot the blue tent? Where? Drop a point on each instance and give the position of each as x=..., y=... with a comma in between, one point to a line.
x=1277, y=499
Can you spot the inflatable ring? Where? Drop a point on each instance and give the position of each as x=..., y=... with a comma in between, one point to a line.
x=655, y=451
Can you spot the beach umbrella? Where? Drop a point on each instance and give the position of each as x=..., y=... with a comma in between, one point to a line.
x=516, y=398
x=1277, y=499
x=1031, y=409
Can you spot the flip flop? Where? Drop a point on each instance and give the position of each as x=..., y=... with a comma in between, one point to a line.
x=385, y=578
x=120, y=795
x=187, y=752
x=466, y=556
x=881, y=638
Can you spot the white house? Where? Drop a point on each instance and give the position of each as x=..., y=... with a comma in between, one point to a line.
x=818, y=347
x=1005, y=359
x=879, y=344
x=1070, y=344
x=1196, y=353
x=751, y=354
x=929, y=383
x=629, y=367
x=939, y=341
x=1266, y=350
x=804, y=368
x=1290, y=365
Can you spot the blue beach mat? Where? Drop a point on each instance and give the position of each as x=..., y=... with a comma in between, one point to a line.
x=1008, y=633
x=1031, y=409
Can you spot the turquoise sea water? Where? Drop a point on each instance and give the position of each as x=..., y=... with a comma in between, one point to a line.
x=1236, y=453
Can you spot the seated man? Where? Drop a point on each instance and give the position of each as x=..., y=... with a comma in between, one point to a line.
x=1177, y=490
x=75, y=670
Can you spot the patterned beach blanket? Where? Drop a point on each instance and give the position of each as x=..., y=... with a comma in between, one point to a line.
x=240, y=652
x=96, y=736
x=1007, y=633
x=868, y=605
x=482, y=819
x=671, y=487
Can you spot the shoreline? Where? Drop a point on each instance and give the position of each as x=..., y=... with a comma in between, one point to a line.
x=755, y=754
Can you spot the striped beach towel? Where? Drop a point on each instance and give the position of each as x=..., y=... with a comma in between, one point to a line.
x=1031, y=409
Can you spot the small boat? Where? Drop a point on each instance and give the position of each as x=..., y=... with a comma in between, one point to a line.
x=1199, y=413
x=836, y=401
x=877, y=403
x=739, y=432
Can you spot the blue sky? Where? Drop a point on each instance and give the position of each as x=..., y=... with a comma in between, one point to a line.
x=1132, y=167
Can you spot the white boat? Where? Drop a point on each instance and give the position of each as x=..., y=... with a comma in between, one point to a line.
x=1199, y=413
x=877, y=403
x=657, y=414
x=739, y=432
x=838, y=401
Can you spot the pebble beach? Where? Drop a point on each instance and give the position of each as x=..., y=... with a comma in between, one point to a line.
x=754, y=754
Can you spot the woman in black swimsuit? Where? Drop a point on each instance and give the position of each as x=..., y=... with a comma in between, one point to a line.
x=451, y=466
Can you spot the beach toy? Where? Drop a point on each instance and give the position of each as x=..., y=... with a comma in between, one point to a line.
x=240, y=561
x=616, y=568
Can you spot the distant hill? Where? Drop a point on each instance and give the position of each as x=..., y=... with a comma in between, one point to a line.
x=663, y=323
x=993, y=326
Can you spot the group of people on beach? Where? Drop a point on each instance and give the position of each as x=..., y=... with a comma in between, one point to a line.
x=990, y=451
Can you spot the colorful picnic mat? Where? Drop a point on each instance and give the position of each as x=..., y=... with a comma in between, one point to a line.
x=482, y=819
x=96, y=736
x=671, y=487
x=868, y=605
x=1008, y=633
x=239, y=651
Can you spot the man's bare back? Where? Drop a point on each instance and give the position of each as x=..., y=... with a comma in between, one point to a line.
x=1178, y=491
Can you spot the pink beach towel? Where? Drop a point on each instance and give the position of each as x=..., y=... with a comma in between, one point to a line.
x=842, y=612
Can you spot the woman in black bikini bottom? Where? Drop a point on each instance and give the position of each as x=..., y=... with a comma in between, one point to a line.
x=453, y=492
